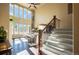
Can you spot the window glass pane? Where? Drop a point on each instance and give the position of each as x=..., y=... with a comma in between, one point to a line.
x=21, y=12
x=25, y=13
x=24, y=27
x=16, y=10
x=29, y=28
x=11, y=9
x=15, y=28
x=20, y=27
x=29, y=14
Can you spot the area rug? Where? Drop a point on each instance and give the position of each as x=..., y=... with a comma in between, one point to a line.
x=24, y=52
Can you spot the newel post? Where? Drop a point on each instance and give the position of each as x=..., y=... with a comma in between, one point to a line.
x=39, y=42
x=54, y=18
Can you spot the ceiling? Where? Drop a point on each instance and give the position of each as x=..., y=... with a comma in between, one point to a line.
x=27, y=5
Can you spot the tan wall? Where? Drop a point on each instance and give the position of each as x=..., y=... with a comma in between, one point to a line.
x=44, y=14
x=76, y=28
x=4, y=16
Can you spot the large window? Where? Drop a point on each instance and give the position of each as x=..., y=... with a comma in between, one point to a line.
x=20, y=18
x=20, y=12
x=20, y=28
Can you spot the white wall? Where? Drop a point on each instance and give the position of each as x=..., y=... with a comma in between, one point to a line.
x=44, y=14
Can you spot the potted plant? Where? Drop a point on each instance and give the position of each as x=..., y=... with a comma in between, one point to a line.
x=3, y=34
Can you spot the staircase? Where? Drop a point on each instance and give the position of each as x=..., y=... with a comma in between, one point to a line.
x=59, y=42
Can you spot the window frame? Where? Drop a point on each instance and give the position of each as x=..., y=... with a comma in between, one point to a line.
x=17, y=29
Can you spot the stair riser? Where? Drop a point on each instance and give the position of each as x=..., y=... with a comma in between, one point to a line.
x=59, y=42
x=60, y=46
x=63, y=36
x=63, y=30
x=62, y=41
x=62, y=33
x=53, y=50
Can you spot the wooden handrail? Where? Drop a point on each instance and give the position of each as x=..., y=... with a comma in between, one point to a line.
x=54, y=19
x=40, y=33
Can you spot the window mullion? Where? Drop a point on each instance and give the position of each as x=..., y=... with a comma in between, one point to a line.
x=23, y=13
x=18, y=19
x=13, y=16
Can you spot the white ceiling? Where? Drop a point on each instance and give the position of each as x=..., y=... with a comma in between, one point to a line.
x=27, y=5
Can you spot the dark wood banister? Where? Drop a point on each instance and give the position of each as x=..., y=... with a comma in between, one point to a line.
x=53, y=20
x=39, y=42
x=40, y=33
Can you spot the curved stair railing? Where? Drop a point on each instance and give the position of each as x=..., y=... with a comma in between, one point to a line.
x=53, y=23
